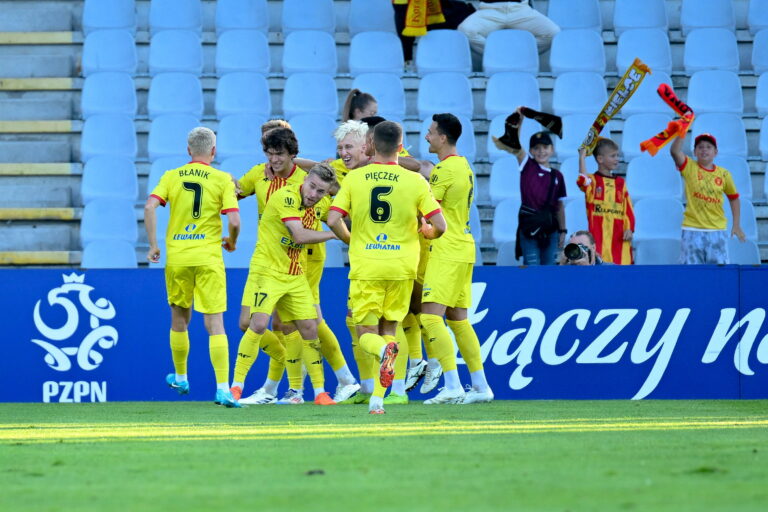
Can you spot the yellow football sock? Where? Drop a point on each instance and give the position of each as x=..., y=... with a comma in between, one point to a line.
x=219, y=351
x=372, y=344
x=314, y=362
x=293, y=349
x=277, y=362
x=425, y=337
x=362, y=358
x=440, y=341
x=401, y=363
x=329, y=346
x=413, y=336
x=469, y=345
x=247, y=352
x=180, y=351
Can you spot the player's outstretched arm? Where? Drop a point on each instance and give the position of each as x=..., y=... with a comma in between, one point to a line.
x=305, y=163
x=677, y=151
x=229, y=243
x=435, y=227
x=336, y=223
x=150, y=224
x=302, y=235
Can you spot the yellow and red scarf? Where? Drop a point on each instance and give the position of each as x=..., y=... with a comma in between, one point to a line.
x=677, y=128
x=420, y=14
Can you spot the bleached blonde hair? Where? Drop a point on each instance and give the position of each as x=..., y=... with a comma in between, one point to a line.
x=201, y=141
x=357, y=129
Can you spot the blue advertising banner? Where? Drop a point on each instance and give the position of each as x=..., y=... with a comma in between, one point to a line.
x=545, y=333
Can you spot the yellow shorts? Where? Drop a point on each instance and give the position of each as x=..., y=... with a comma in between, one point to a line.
x=289, y=295
x=371, y=301
x=314, y=272
x=204, y=286
x=448, y=283
x=423, y=259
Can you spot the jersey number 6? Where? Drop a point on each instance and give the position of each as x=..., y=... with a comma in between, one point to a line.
x=381, y=210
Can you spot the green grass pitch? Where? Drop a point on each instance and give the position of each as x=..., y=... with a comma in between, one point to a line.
x=508, y=455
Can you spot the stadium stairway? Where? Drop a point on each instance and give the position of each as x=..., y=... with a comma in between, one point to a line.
x=40, y=126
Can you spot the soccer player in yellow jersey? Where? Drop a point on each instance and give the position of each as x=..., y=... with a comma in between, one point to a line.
x=705, y=239
x=194, y=271
x=383, y=201
x=448, y=279
x=276, y=276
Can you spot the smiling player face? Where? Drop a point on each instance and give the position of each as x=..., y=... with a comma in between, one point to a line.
x=352, y=151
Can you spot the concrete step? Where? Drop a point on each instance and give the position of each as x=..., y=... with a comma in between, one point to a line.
x=16, y=195
x=47, y=170
x=35, y=109
x=38, y=15
x=36, y=66
x=36, y=151
x=40, y=258
x=24, y=235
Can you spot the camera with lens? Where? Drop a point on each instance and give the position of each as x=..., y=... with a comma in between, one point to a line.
x=575, y=252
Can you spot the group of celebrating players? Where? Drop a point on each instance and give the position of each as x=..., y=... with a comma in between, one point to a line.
x=411, y=255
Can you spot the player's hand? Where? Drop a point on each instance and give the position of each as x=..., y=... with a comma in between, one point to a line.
x=628, y=235
x=328, y=160
x=153, y=255
x=427, y=229
x=238, y=190
x=227, y=244
x=268, y=172
x=737, y=232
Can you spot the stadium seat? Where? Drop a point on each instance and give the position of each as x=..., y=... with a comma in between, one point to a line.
x=739, y=169
x=334, y=254
x=716, y=14
x=108, y=93
x=651, y=45
x=497, y=58
x=579, y=93
x=175, y=50
x=159, y=166
x=577, y=50
x=505, y=180
x=505, y=257
x=168, y=135
x=656, y=176
x=761, y=95
x=764, y=141
x=242, y=15
x=714, y=90
x=110, y=178
x=309, y=51
x=569, y=167
x=175, y=93
x=496, y=129
x=108, y=134
x=117, y=14
x=175, y=15
x=711, y=48
x=507, y=90
x=308, y=15
x=242, y=50
x=240, y=164
x=310, y=93
x=760, y=52
x=743, y=253
x=239, y=134
x=658, y=218
x=576, y=14
x=757, y=16
x=315, y=135
x=575, y=128
x=384, y=45
x=445, y=92
x=109, y=50
x=505, y=221
x=369, y=15
x=576, y=215
x=443, y=50
x=661, y=251
x=243, y=93
x=748, y=219
x=728, y=129
x=108, y=219
x=466, y=145
x=640, y=127
x=646, y=100
x=475, y=225
x=631, y=14
x=109, y=254
x=388, y=90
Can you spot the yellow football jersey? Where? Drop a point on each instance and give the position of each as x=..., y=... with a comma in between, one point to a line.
x=704, y=189
x=275, y=249
x=341, y=169
x=453, y=185
x=256, y=182
x=383, y=201
x=198, y=194
x=316, y=252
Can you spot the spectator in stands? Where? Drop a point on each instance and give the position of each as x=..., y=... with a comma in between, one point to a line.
x=454, y=12
x=610, y=216
x=358, y=105
x=704, y=224
x=499, y=14
x=581, y=250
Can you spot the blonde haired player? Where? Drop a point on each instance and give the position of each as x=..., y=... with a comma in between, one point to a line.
x=383, y=201
x=194, y=271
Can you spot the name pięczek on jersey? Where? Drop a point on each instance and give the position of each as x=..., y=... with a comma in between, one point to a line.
x=383, y=200
x=198, y=194
x=453, y=185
